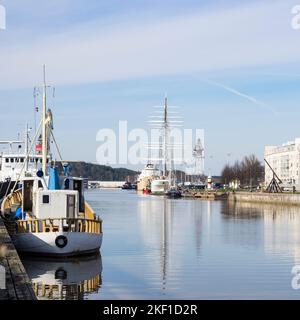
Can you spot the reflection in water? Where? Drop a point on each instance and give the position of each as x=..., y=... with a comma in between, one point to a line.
x=280, y=225
x=157, y=248
x=64, y=280
x=157, y=223
x=168, y=224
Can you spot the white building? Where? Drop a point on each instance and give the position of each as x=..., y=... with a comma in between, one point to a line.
x=285, y=161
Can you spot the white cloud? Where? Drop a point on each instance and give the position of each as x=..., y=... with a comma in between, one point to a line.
x=254, y=35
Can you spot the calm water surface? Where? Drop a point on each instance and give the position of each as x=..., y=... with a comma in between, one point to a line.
x=155, y=248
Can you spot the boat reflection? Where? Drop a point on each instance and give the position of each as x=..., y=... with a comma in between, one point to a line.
x=64, y=280
x=165, y=228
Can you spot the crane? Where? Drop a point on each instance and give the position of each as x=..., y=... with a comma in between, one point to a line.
x=274, y=186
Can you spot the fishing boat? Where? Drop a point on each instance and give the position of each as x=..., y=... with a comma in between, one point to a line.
x=128, y=186
x=173, y=193
x=46, y=213
x=13, y=158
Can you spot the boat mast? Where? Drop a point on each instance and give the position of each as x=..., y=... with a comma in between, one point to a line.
x=165, y=135
x=26, y=147
x=44, y=133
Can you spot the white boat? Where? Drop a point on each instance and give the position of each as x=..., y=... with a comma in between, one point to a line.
x=149, y=173
x=15, y=163
x=46, y=214
x=160, y=186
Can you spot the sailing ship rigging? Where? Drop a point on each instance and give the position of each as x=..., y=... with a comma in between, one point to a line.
x=165, y=122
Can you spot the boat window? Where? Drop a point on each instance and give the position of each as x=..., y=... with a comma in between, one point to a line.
x=40, y=185
x=27, y=195
x=22, y=160
x=78, y=186
x=67, y=184
x=46, y=199
x=6, y=160
x=36, y=160
x=11, y=160
x=71, y=206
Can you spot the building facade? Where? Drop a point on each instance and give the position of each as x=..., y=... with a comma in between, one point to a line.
x=285, y=161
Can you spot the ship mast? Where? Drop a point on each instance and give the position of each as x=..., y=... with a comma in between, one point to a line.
x=26, y=147
x=165, y=135
x=44, y=131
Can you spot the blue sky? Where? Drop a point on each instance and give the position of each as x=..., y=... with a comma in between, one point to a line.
x=232, y=66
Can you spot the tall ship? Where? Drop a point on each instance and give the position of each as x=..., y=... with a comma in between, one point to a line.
x=45, y=212
x=166, y=182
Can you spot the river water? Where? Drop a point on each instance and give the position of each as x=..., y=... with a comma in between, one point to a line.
x=156, y=248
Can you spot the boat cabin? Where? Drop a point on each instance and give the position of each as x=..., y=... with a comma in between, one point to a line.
x=11, y=165
x=56, y=204
x=42, y=202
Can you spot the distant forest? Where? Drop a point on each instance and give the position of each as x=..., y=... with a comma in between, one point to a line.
x=100, y=172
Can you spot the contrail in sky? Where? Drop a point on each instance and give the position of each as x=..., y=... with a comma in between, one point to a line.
x=241, y=94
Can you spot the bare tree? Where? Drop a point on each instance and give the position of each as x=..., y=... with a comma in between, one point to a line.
x=249, y=171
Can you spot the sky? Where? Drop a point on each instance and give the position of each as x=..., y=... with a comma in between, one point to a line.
x=233, y=68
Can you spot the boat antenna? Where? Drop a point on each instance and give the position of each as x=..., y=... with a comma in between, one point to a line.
x=44, y=137
x=26, y=146
x=26, y=160
x=36, y=109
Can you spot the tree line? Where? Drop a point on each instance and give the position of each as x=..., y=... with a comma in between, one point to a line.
x=93, y=171
x=249, y=172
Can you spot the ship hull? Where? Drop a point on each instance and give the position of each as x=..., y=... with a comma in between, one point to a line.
x=45, y=243
x=174, y=195
x=159, y=187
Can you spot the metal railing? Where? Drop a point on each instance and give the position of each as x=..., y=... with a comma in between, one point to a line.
x=60, y=225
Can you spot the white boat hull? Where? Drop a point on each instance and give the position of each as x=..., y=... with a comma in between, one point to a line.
x=78, y=243
x=159, y=187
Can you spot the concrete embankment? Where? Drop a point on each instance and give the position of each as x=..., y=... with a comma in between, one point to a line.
x=260, y=197
x=14, y=281
x=107, y=184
